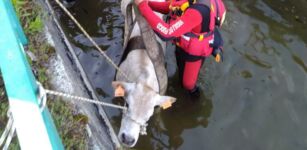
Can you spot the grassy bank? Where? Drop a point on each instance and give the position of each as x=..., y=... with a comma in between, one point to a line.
x=70, y=124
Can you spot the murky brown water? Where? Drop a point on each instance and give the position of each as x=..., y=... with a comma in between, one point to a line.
x=256, y=99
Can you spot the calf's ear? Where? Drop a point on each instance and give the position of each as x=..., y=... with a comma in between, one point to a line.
x=121, y=89
x=165, y=101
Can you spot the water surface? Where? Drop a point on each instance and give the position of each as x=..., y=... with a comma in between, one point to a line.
x=256, y=99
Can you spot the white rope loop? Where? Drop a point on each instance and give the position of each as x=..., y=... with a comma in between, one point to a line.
x=42, y=95
x=8, y=132
x=9, y=138
x=83, y=99
x=143, y=129
x=91, y=40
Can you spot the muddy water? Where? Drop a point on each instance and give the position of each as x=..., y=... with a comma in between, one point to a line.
x=255, y=99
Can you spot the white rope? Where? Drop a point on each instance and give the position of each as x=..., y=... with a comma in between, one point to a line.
x=91, y=40
x=9, y=138
x=83, y=99
x=8, y=132
x=42, y=96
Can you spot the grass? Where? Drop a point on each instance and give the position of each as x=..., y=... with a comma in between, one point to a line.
x=71, y=125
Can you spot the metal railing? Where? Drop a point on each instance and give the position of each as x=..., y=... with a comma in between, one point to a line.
x=35, y=128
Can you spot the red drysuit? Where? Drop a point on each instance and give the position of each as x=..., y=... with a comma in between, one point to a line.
x=190, y=51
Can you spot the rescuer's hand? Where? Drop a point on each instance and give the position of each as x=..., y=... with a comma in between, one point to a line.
x=218, y=58
x=218, y=55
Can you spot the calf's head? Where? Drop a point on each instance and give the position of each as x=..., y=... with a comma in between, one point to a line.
x=141, y=100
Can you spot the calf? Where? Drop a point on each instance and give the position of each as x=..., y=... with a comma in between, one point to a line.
x=141, y=95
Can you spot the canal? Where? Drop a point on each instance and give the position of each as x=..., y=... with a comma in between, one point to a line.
x=255, y=99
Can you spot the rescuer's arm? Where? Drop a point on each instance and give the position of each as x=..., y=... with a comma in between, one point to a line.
x=161, y=7
x=180, y=26
x=218, y=46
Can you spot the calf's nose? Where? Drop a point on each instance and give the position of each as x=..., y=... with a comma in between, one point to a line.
x=126, y=139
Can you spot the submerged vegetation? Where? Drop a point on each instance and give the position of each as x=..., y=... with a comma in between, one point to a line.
x=71, y=125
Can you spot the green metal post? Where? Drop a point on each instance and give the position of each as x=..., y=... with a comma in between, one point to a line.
x=35, y=129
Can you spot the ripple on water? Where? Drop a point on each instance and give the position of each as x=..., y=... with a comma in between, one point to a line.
x=236, y=110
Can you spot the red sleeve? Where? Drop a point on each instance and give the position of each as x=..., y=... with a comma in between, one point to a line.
x=161, y=7
x=180, y=26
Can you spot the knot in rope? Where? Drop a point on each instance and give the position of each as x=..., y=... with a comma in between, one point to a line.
x=41, y=96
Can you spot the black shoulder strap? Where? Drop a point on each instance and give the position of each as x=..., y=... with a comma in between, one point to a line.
x=217, y=19
x=133, y=44
x=204, y=2
x=205, y=12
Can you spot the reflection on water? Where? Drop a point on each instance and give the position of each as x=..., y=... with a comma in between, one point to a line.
x=300, y=62
x=257, y=61
x=255, y=99
x=246, y=74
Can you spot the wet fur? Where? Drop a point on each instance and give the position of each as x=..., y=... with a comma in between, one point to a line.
x=142, y=93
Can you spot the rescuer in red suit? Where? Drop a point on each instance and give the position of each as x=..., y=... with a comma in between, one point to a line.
x=193, y=26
